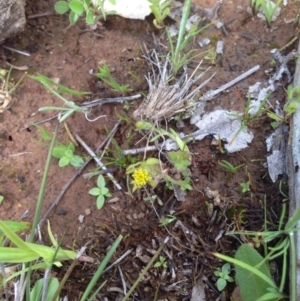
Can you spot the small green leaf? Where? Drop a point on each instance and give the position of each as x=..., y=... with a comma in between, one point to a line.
x=61, y=7
x=104, y=190
x=73, y=18
x=221, y=284
x=226, y=268
x=157, y=264
x=64, y=161
x=71, y=146
x=101, y=181
x=68, y=153
x=95, y=191
x=252, y=287
x=76, y=161
x=113, y=2
x=76, y=6
x=58, y=152
x=90, y=18
x=100, y=201
x=1, y=199
x=36, y=291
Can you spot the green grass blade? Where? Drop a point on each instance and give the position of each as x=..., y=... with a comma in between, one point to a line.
x=184, y=18
x=43, y=186
x=13, y=237
x=61, y=89
x=34, y=267
x=15, y=255
x=101, y=268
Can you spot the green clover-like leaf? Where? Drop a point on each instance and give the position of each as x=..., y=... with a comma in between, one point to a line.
x=221, y=284
x=61, y=7
x=101, y=181
x=76, y=161
x=100, y=201
x=64, y=161
x=95, y=191
x=103, y=190
x=76, y=6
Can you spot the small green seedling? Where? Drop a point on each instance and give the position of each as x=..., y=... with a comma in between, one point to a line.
x=63, y=152
x=161, y=263
x=178, y=56
x=211, y=56
x=127, y=105
x=1, y=199
x=229, y=167
x=160, y=10
x=293, y=100
x=223, y=276
x=105, y=75
x=94, y=10
x=269, y=8
x=245, y=186
x=167, y=220
x=57, y=89
x=66, y=156
x=101, y=192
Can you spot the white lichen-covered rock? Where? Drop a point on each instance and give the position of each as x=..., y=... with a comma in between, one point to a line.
x=12, y=18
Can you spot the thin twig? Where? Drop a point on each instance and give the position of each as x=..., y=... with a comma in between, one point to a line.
x=118, y=260
x=99, y=172
x=15, y=50
x=2, y=271
x=39, y=122
x=45, y=14
x=78, y=172
x=70, y=134
x=98, y=161
x=136, y=151
x=90, y=104
x=211, y=94
x=68, y=273
x=103, y=101
x=123, y=280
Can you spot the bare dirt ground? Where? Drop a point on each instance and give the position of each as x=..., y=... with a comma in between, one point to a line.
x=70, y=56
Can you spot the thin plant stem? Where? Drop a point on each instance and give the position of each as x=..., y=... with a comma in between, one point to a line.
x=43, y=186
x=145, y=270
x=284, y=272
x=67, y=275
x=283, y=212
x=293, y=264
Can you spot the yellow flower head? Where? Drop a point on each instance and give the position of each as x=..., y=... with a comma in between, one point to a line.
x=141, y=177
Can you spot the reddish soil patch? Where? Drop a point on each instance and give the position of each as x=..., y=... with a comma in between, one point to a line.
x=70, y=57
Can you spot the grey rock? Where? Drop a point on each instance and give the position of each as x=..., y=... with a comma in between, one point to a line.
x=12, y=18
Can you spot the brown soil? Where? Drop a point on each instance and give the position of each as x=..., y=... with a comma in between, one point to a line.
x=70, y=56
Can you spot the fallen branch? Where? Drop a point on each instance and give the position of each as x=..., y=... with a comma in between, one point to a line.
x=211, y=94
x=98, y=161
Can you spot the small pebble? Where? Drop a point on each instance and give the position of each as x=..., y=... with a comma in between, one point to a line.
x=180, y=124
x=21, y=179
x=81, y=218
x=87, y=211
x=62, y=212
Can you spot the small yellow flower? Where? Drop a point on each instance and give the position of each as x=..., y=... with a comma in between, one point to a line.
x=141, y=177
